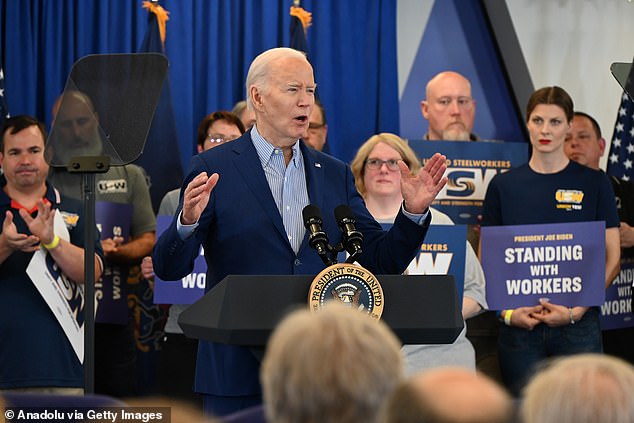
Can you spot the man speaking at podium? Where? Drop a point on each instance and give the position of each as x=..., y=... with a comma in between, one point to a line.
x=243, y=202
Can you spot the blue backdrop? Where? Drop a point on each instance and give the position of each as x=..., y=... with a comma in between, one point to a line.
x=458, y=37
x=210, y=44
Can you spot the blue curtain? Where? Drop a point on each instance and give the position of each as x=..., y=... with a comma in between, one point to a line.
x=210, y=44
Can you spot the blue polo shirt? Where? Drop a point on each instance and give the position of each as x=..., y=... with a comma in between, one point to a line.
x=34, y=351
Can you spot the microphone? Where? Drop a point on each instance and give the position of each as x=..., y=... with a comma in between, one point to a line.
x=317, y=238
x=352, y=239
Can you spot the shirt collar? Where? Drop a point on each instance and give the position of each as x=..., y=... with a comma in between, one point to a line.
x=51, y=196
x=266, y=150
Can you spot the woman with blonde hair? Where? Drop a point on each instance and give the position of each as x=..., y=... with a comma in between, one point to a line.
x=377, y=177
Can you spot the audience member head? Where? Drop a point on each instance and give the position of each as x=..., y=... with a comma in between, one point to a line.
x=246, y=115
x=448, y=395
x=317, y=127
x=449, y=107
x=555, y=96
x=584, y=143
x=22, y=153
x=76, y=125
x=584, y=388
x=377, y=156
x=281, y=91
x=336, y=365
x=15, y=124
x=217, y=128
x=548, y=115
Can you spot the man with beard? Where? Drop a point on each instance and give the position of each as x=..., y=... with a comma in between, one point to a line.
x=77, y=134
x=449, y=108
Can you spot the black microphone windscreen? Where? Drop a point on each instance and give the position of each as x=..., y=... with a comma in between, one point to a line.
x=311, y=212
x=343, y=211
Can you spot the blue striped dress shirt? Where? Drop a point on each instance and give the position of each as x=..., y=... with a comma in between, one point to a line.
x=287, y=183
x=288, y=186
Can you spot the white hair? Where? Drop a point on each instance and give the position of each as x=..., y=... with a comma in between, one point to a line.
x=259, y=69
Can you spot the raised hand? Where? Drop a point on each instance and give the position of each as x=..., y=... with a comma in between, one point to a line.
x=419, y=191
x=42, y=225
x=196, y=197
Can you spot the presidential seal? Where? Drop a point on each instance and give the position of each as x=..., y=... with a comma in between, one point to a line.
x=349, y=284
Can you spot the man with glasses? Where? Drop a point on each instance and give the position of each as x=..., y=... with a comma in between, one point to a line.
x=317, y=127
x=449, y=108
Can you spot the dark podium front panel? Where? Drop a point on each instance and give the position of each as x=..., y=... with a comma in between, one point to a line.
x=243, y=310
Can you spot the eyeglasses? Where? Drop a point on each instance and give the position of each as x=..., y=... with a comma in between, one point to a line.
x=218, y=138
x=376, y=164
x=464, y=103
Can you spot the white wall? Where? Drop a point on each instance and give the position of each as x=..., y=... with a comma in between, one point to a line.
x=572, y=43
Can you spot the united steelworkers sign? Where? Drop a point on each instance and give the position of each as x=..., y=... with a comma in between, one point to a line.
x=470, y=168
x=349, y=284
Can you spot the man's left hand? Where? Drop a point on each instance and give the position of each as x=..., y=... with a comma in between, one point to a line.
x=41, y=225
x=420, y=191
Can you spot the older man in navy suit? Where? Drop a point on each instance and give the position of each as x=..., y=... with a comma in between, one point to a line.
x=243, y=201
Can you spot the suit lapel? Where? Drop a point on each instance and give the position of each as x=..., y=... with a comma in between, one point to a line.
x=314, y=181
x=248, y=165
x=314, y=175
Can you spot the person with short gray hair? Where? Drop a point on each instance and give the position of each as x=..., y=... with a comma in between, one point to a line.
x=585, y=388
x=336, y=365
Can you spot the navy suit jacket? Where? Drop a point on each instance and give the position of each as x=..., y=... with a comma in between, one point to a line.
x=241, y=231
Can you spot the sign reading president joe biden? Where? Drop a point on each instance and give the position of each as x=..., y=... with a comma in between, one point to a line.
x=563, y=262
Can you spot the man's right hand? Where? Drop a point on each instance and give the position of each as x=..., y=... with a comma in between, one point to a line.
x=196, y=197
x=15, y=241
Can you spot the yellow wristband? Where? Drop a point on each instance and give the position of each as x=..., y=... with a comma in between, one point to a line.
x=53, y=244
x=507, y=317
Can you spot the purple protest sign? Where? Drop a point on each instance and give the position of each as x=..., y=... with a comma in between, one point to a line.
x=113, y=219
x=563, y=262
x=186, y=290
x=616, y=311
